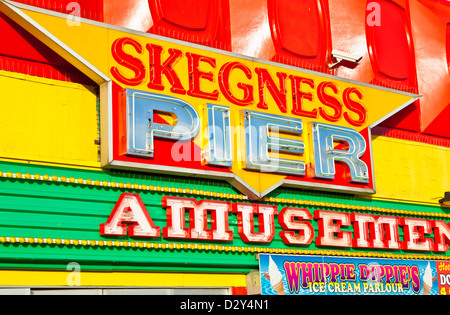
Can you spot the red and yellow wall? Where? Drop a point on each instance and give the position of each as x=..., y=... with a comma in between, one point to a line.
x=50, y=132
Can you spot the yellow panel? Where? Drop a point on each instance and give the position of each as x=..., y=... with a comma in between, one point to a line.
x=410, y=171
x=48, y=121
x=122, y=279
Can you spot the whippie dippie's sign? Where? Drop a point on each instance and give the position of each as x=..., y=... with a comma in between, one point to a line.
x=307, y=275
x=208, y=220
x=184, y=109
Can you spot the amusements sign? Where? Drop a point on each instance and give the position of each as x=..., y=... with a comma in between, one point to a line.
x=306, y=275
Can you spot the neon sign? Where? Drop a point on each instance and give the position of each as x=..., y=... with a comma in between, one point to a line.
x=256, y=125
x=209, y=220
x=188, y=110
x=260, y=141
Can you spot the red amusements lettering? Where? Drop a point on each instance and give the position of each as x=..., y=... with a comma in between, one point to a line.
x=296, y=232
x=130, y=210
x=198, y=211
x=414, y=231
x=330, y=233
x=441, y=231
x=370, y=231
x=246, y=214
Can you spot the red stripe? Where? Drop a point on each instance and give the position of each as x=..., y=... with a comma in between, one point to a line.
x=23, y=53
x=239, y=291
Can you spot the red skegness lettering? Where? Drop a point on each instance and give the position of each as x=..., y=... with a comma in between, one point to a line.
x=265, y=80
x=158, y=69
x=209, y=80
x=329, y=100
x=128, y=61
x=195, y=76
x=224, y=83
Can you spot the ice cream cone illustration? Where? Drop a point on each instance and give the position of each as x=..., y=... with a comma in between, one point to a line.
x=279, y=287
x=426, y=289
x=274, y=276
x=428, y=280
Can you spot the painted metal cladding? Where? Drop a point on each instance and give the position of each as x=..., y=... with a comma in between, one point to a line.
x=51, y=216
x=61, y=209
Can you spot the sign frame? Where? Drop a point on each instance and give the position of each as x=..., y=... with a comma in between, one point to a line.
x=108, y=160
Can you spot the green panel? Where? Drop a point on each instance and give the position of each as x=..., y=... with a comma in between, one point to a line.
x=63, y=210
